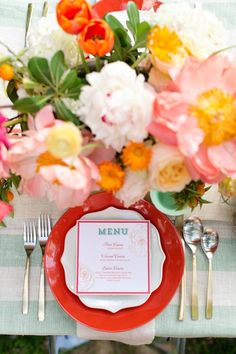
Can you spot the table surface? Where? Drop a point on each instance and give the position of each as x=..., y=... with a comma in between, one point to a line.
x=12, y=254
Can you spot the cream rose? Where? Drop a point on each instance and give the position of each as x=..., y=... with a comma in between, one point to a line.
x=167, y=170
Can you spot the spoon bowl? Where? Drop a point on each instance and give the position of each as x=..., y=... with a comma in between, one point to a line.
x=209, y=242
x=192, y=232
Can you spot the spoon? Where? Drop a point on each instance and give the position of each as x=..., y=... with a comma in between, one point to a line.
x=192, y=232
x=209, y=243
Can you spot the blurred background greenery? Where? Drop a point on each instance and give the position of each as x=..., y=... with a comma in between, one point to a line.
x=40, y=345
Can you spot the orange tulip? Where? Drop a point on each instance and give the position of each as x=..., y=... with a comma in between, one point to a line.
x=97, y=38
x=73, y=15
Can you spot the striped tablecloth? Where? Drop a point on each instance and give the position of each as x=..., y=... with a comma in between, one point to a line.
x=12, y=254
x=12, y=260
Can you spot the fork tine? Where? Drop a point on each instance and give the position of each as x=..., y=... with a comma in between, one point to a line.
x=24, y=232
x=39, y=226
x=30, y=233
x=34, y=234
x=49, y=225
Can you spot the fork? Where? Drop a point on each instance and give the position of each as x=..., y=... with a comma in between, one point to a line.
x=44, y=229
x=29, y=245
x=28, y=21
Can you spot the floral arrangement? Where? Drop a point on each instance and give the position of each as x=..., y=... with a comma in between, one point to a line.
x=126, y=104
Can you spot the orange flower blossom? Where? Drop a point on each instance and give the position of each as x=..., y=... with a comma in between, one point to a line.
x=97, y=38
x=73, y=15
x=111, y=176
x=136, y=156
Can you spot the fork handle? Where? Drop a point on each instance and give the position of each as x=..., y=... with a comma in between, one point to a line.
x=194, y=290
x=25, y=303
x=41, y=304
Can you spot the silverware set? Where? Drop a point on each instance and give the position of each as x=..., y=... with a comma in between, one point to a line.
x=194, y=234
x=29, y=17
x=30, y=240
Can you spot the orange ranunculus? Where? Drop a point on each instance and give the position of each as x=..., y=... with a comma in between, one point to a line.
x=73, y=15
x=97, y=38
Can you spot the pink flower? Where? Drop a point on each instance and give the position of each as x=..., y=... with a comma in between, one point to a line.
x=5, y=209
x=66, y=181
x=197, y=113
x=4, y=145
x=149, y=4
x=3, y=132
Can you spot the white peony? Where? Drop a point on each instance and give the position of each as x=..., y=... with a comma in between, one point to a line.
x=200, y=30
x=135, y=187
x=117, y=105
x=46, y=38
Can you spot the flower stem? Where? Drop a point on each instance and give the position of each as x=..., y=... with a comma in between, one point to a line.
x=11, y=52
x=85, y=64
x=15, y=121
x=98, y=63
x=136, y=63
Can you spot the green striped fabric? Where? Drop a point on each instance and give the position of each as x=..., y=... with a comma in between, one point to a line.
x=12, y=255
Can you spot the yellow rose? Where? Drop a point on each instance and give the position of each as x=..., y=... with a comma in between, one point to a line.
x=64, y=140
x=167, y=170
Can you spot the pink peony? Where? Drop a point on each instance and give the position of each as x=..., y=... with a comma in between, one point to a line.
x=5, y=210
x=197, y=113
x=66, y=181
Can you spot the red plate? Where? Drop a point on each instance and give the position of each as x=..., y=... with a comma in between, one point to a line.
x=128, y=318
x=102, y=7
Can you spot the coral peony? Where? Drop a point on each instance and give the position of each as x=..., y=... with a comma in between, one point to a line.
x=5, y=210
x=198, y=114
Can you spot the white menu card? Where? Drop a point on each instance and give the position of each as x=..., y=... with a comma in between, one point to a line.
x=113, y=257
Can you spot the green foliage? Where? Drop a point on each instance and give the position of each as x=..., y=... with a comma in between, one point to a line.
x=12, y=91
x=125, y=48
x=191, y=195
x=7, y=184
x=54, y=81
x=23, y=345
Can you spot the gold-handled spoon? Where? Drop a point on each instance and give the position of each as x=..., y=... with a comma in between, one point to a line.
x=192, y=232
x=209, y=243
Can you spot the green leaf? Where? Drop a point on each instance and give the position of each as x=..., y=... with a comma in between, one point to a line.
x=40, y=71
x=31, y=104
x=133, y=15
x=70, y=80
x=64, y=113
x=123, y=37
x=119, y=30
x=12, y=91
x=15, y=180
x=113, y=22
x=141, y=35
x=58, y=67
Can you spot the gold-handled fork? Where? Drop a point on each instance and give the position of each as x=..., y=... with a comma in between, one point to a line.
x=29, y=245
x=28, y=21
x=179, y=220
x=45, y=9
x=44, y=229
